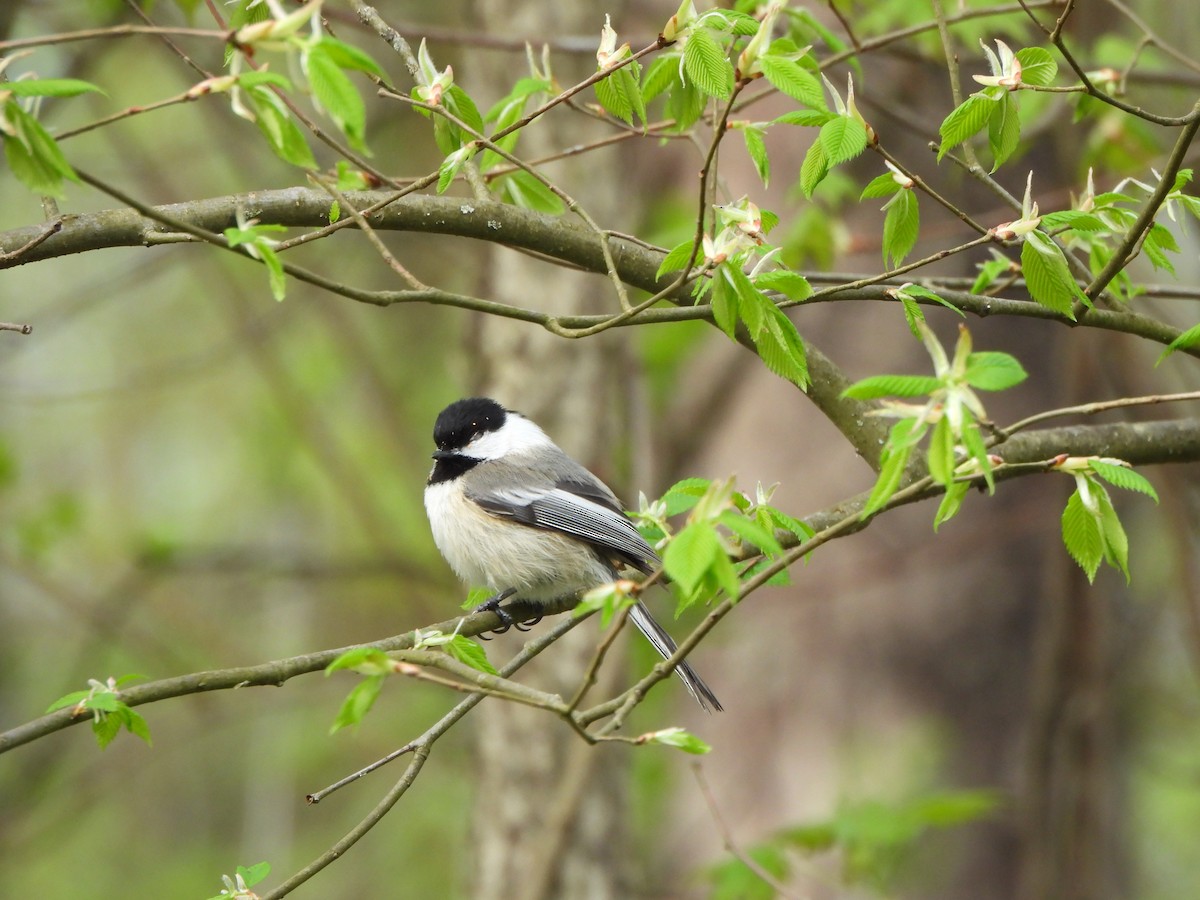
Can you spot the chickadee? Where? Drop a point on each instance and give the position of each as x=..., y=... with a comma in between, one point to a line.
x=510, y=510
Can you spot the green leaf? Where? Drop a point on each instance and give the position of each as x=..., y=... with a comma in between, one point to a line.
x=892, y=464
x=70, y=699
x=1072, y=219
x=252, y=875
x=993, y=371
x=684, y=105
x=364, y=660
x=781, y=348
x=814, y=168
x=705, y=64
x=347, y=56
x=1037, y=66
x=750, y=532
x=791, y=284
x=877, y=386
x=1116, y=544
x=682, y=495
x=33, y=155
x=1157, y=242
x=335, y=94
x=842, y=139
x=275, y=274
x=901, y=227
x=789, y=77
x=521, y=189
x=660, y=75
x=678, y=738
x=805, y=117
x=691, y=555
x=756, y=146
x=1121, y=477
x=1081, y=535
x=459, y=102
x=990, y=271
x=676, y=259
x=467, y=651
x=49, y=87
x=1004, y=130
x=880, y=186
x=358, y=702
x=275, y=122
x=751, y=303
x=964, y=121
x=1047, y=277
x=951, y=502
x=941, y=453
x=725, y=305
x=620, y=95
x=1187, y=339
x=135, y=724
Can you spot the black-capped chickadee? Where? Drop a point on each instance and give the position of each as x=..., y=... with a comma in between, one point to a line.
x=510, y=510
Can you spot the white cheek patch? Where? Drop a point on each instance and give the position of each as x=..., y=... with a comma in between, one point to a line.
x=516, y=436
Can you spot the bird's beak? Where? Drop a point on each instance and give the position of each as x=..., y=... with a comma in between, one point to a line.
x=444, y=454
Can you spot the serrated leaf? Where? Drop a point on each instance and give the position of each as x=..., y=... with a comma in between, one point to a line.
x=877, y=386
x=940, y=455
x=1004, y=131
x=880, y=186
x=989, y=370
x=756, y=146
x=805, y=117
x=952, y=500
x=275, y=122
x=1081, y=536
x=660, y=76
x=685, y=104
x=964, y=121
x=252, y=875
x=678, y=738
x=70, y=699
x=358, y=703
x=620, y=95
x=676, y=259
x=50, y=87
x=335, y=94
x=1158, y=240
x=751, y=532
x=842, y=139
x=1073, y=219
x=901, y=227
x=347, y=56
x=136, y=725
x=1037, y=66
x=705, y=64
x=33, y=155
x=814, y=168
x=467, y=651
x=1121, y=477
x=1047, y=277
x=792, y=79
x=1116, y=543
x=691, y=555
x=365, y=660
x=891, y=469
x=682, y=495
x=1187, y=339
x=781, y=348
x=460, y=103
x=521, y=189
x=791, y=284
x=725, y=306
x=751, y=303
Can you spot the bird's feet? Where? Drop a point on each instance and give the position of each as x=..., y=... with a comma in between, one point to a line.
x=492, y=604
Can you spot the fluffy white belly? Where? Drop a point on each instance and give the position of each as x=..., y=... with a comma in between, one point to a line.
x=485, y=550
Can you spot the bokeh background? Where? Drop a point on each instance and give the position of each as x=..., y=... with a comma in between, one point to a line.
x=194, y=476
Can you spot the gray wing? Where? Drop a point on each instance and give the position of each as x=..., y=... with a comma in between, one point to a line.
x=580, y=507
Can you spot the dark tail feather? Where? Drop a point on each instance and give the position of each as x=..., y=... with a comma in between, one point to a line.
x=663, y=644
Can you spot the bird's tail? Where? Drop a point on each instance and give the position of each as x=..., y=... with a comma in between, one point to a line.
x=666, y=646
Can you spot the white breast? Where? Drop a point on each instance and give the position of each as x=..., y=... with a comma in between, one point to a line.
x=500, y=554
